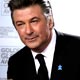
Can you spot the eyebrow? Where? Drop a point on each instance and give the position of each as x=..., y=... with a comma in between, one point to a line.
x=35, y=18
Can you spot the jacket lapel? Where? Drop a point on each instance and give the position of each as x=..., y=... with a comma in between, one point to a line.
x=57, y=66
x=29, y=68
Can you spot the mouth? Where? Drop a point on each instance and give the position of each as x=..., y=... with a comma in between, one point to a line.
x=31, y=39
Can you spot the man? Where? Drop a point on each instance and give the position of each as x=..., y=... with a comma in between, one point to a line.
x=33, y=21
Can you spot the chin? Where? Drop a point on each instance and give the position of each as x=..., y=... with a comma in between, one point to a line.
x=32, y=46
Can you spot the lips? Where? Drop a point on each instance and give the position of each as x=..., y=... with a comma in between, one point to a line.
x=32, y=38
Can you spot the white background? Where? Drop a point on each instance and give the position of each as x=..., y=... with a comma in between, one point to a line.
x=67, y=15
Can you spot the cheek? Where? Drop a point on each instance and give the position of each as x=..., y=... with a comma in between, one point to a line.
x=44, y=33
x=43, y=29
x=21, y=33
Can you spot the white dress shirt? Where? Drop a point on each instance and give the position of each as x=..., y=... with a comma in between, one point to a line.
x=48, y=53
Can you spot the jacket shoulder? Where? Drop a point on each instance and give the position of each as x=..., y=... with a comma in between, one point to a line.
x=68, y=42
x=68, y=37
x=21, y=54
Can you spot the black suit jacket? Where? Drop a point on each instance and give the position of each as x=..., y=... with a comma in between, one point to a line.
x=66, y=61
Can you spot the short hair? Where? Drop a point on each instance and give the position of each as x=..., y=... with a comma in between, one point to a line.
x=18, y=4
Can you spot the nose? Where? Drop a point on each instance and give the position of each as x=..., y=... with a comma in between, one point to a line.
x=28, y=29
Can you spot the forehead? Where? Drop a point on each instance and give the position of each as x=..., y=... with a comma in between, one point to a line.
x=28, y=11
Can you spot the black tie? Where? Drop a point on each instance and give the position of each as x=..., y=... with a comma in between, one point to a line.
x=42, y=71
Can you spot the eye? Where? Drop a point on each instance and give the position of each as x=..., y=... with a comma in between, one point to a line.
x=35, y=21
x=20, y=23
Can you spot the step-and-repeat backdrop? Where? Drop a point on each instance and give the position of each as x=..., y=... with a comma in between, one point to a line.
x=9, y=39
x=66, y=15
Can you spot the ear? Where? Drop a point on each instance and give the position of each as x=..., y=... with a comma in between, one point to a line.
x=51, y=22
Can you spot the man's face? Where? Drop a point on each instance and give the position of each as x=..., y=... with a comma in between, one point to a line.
x=33, y=27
